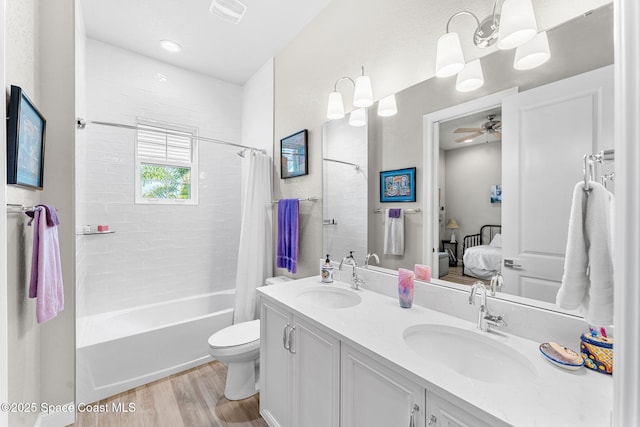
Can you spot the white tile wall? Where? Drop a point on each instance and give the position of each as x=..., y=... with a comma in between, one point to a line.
x=158, y=252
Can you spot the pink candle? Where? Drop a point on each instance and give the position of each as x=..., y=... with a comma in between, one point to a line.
x=423, y=272
x=405, y=287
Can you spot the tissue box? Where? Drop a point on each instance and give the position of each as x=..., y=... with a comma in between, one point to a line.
x=597, y=353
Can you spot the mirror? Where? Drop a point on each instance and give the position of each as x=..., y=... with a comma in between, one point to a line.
x=397, y=142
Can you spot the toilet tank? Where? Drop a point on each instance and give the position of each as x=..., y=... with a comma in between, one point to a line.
x=276, y=280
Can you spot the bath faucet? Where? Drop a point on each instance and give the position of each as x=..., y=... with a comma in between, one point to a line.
x=356, y=281
x=496, y=283
x=369, y=255
x=485, y=318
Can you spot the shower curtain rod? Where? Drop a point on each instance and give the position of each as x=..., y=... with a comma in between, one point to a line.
x=343, y=162
x=82, y=123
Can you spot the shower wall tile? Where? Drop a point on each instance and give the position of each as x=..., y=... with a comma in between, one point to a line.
x=159, y=252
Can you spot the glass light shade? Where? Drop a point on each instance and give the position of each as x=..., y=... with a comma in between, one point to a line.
x=449, y=57
x=335, y=106
x=363, y=95
x=387, y=106
x=517, y=24
x=471, y=77
x=170, y=46
x=358, y=117
x=533, y=53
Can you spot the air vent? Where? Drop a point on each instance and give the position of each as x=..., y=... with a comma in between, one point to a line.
x=229, y=10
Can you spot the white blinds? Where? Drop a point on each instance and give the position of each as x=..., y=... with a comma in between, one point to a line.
x=156, y=143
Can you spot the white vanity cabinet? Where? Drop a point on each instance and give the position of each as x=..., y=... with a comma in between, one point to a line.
x=443, y=413
x=299, y=370
x=372, y=395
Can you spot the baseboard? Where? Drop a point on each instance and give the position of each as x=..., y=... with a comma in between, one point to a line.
x=57, y=419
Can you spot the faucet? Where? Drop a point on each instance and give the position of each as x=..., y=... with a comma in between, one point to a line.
x=496, y=283
x=356, y=281
x=485, y=318
x=369, y=255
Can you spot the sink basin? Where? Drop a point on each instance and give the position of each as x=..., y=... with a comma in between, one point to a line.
x=470, y=354
x=329, y=297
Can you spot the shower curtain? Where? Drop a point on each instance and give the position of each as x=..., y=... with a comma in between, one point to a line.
x=255, y=255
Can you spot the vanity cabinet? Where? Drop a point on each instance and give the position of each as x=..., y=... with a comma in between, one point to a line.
x=299, y=371
x=375, y=396
x=443, y=413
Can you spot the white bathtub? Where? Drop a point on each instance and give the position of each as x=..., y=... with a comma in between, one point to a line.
x=120, y=350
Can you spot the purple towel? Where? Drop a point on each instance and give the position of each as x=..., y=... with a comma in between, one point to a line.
x=287, y=255
x=46, y=270
x=394, y=213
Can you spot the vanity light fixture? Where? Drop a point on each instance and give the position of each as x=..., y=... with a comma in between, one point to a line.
x=514, y=27
x=358, y=117
x=387, y=106
x=362, y=98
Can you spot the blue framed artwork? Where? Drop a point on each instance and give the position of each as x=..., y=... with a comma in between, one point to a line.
x=398, y=185
x=496, y=193
x=293, y=155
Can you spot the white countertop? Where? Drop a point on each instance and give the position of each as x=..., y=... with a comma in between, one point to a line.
x=557, y=397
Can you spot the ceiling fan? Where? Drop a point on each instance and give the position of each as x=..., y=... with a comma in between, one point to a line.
x=491, y=127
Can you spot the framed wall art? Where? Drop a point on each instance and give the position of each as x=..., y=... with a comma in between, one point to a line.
x=398, y=185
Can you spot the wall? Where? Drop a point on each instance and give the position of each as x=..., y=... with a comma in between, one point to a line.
x=351, y=33
x=470, y=173
x=4, y=307
x=159, y=252
x=23, y=332
x=345, y=190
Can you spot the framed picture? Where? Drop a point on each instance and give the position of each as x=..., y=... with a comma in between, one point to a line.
x=398, y=185
x=25, y=141
x=496, y=193
x=293, y=155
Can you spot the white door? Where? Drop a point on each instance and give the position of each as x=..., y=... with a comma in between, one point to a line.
x=375, y=396
x=546, y=132
x=316, y=377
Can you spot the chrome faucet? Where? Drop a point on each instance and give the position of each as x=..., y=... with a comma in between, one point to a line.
x=356, y=281
x=485, y=318
x=496, y=283
x=369, y=255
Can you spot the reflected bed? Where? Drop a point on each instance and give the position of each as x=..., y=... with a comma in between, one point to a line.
x=482, y=252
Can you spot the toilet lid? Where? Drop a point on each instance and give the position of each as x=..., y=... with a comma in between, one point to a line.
x=241, y=333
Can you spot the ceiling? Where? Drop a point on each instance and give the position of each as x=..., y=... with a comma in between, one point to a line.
x=210, y=45
x=448, y=137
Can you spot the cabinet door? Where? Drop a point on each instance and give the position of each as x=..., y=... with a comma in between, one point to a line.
x=375, y=396
x=316, y=377
x=275, y=373
x=442, y=413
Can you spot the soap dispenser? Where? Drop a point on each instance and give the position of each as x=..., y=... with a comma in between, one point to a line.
x=326, y=271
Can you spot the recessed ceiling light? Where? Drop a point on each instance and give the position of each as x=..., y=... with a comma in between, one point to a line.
x=160, y=77
x=170, y=46
x=229, y=10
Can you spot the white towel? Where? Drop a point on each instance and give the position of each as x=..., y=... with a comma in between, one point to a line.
x=587, y=282
x=393, y=234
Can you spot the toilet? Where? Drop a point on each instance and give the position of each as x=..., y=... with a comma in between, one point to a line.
x=238, y=346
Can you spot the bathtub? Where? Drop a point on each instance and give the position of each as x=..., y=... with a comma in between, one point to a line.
x=120, y=350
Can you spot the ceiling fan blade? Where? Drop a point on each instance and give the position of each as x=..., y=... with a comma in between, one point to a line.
x=498, y=135
x=460, y=130
x=468, y=137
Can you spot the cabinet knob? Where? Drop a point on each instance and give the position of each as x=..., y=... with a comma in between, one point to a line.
x=412, y=417
x=432, y=421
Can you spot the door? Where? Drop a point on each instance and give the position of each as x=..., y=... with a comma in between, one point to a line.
x=543, y=127
x=316, y=377
x=375, y=396
x=275, y=375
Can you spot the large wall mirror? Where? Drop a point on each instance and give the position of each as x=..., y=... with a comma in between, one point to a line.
x=460, y=145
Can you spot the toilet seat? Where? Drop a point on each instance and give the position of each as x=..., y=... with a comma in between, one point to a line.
x=234, y=340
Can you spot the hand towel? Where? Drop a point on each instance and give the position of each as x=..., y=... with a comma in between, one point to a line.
x=46, y=271
x=587, y=281
x=287, y=255
x=405, y=287
x=393, y=233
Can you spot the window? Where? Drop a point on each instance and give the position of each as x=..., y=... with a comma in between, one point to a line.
x=166, y=163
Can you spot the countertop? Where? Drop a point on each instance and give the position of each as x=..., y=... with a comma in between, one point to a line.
x=556, y=397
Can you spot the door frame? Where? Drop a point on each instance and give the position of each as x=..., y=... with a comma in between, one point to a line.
x=431, y=154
